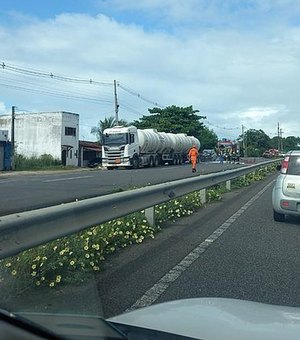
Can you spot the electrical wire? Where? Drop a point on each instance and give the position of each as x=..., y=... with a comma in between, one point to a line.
x=132, y=92
x=56, y=94
x=45, y=90
x=27, y=86
x=131, y=110
x=51, y=75
x=222, y=128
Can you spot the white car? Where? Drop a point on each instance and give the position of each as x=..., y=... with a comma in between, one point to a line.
x=286, y=191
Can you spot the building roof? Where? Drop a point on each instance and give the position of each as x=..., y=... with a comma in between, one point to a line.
x=92, y=146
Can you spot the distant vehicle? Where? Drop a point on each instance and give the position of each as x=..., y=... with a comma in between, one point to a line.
x=208, y=155
x=286, y=191
x=130, y=147
x=95, y=162
x=271, y=153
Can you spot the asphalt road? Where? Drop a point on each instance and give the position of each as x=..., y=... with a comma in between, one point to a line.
x=253, y=258
x=31, y=190
x=230, y=249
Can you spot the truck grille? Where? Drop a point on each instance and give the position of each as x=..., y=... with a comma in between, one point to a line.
x=114, y=155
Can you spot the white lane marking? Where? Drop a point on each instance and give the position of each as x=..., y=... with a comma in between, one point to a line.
x=6, y=181
x=163, y=284
x=65, y=179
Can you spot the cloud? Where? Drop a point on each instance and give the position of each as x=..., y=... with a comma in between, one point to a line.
x=3, y=109
x=229, y=75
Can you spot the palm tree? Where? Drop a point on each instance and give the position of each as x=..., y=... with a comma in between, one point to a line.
x=104, y=124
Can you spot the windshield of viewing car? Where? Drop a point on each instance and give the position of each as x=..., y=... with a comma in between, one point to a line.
x=95, y=230
x=115, y=139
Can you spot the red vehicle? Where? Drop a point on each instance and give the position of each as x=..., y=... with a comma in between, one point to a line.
x=271, y=153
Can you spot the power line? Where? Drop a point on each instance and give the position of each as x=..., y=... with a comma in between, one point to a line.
x=51, y=75
x=222, y=128
x=56, y=94
x=132, y=92
x=31, y=72
x=130, y=109
x=14, y=78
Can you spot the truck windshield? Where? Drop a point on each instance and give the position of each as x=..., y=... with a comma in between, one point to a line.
x=115, y=139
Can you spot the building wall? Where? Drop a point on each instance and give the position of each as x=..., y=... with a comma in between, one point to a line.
x=70, y=137
x=44, y=133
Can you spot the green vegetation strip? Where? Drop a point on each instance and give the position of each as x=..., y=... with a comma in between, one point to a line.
x=71, y=259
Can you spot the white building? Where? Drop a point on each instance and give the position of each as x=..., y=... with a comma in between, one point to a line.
x=54, y=133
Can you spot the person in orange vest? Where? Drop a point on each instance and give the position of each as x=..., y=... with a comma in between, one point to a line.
x=193, y=156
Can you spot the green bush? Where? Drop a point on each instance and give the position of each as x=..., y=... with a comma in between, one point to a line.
x=36, y=163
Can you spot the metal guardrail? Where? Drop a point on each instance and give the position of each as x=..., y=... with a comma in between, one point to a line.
x=22, y=231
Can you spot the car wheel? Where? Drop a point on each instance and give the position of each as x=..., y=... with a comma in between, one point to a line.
x=278, y=217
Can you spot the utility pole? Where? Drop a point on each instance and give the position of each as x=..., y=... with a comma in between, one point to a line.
x=13, y=115
x=244, y=142
x=116, y=103
x=281, y=142
x=278, y=135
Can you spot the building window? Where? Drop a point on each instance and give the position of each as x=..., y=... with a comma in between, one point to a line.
x=69, y=131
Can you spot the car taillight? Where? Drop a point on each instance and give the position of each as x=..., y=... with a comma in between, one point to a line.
x=284, y=204
x=285, y=165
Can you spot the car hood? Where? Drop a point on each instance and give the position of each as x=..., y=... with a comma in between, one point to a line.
x=217, y=318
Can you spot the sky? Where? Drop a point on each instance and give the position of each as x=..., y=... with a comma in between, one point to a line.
x=237, y=62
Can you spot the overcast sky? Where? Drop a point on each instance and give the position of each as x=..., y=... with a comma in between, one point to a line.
x=237, y=62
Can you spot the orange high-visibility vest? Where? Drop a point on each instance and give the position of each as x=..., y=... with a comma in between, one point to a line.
x=193, y=153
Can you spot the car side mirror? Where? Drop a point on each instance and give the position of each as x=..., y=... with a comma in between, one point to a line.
x=278, y=167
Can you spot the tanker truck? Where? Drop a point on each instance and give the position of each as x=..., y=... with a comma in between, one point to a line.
x=130, y=147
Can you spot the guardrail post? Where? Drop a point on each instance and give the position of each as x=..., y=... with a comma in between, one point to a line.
x=228, y=185
x=150, y=215
x=203, y=196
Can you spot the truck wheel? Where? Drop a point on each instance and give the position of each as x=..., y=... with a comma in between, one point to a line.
x=135, y=163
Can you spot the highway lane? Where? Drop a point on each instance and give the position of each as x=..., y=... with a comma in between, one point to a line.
x=254, y=258
x=27, y=191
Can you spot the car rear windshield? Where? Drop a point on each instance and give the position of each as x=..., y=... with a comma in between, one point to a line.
x=294, y=165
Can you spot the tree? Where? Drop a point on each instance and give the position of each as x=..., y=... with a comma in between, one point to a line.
x=291, y=143
x=208, y=138
x=256, y=142
x=173, y=119
x=105, y=124
x=288, y=143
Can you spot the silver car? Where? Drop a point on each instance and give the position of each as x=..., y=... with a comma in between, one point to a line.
x=286, y=191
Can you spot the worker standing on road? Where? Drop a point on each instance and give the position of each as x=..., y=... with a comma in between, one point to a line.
x=193, y=156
